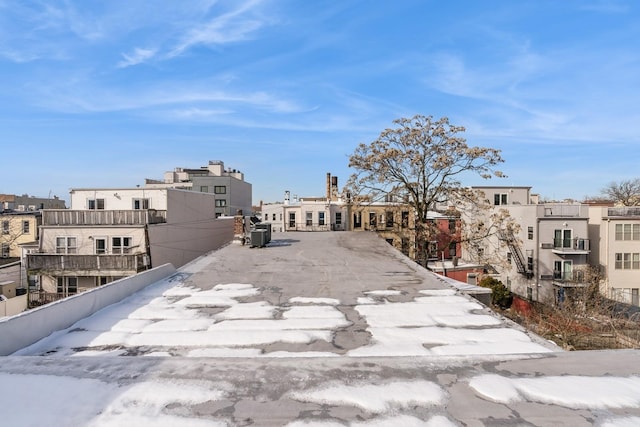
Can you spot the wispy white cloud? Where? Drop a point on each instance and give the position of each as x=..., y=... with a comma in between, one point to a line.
x=233, y=26
x=138, y=56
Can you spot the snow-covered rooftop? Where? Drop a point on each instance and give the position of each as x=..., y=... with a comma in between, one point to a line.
x=316, y=329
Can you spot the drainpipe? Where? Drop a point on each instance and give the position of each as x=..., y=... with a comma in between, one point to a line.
x=606, y=267
x=535, y=252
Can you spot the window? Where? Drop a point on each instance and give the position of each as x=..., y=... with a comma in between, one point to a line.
x=140, y=204
x=452, y=249
x=220, y=189
x=67, y=286
x=273, y=217
x=372, y=219
x=5, y=250
x=388, y=219
x=220, y=203
x=5, y=227
x=95, y=204
x=26, y=226
x=562, y=270
x=320, y=218
x=120, y=245
x=204, y=188
x=338, y=218
x=500, y=199
x=509, y=257
x=357, y=220
x=562, y=238
x=308, y=218
x=452, y=225
x=101, y=246
x=627, y=232
x=404, y=245
x=292, y=219
x=627, y=261
x=405, y=219
x=530, y=233
x=66, y=245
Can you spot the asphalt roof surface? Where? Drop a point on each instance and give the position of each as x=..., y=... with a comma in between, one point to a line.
x=316, y=329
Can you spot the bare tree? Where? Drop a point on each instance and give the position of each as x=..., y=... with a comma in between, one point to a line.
x=421, y=162
x=626, y=193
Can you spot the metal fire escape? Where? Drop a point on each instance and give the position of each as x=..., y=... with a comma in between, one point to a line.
x=514, y=248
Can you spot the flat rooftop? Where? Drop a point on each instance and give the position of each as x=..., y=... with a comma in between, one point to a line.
x=316, y=329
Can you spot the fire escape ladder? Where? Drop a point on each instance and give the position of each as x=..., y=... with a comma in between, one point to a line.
x=515, y=250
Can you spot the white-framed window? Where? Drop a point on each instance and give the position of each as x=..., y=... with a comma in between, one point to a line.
x=563, y=270
x=220, y=203
x=66, y=245
x=321, y=218
x=220, y=189
x=308, y=218
x=292, y=219
x=120, y=245
x=139, y=204
x=500, y=199
x=5, y=226
x=627, y=261
x=4, y=250
x=530, y=233
x=94, y=204
x=627, y=231
x=562, y=238
x=67, y=286
x=26, y=226
x=100, y=244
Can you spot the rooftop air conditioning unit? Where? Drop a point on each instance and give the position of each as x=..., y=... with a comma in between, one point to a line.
x=258, y=238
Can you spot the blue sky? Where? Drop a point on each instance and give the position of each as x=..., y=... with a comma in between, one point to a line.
x=108, y=93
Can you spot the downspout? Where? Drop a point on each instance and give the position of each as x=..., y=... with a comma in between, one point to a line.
x=607, y=256
x=537, y=270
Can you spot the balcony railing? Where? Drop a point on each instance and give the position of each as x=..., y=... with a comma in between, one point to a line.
x=102, y=217
x=571, y=246
x=43, y=263
x=562, y=210
x=575, y=276
x=624, y=211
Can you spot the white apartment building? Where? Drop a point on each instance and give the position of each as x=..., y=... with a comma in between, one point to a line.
x=617, y=251
x=113, y=233
x=549, y=254
x=231, y=191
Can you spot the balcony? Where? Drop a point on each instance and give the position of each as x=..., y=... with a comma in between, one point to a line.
x=627, y=211
x=571, y=246
x=102, y=217
x=562, y=211
x=573, y=278
x=86, y=265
